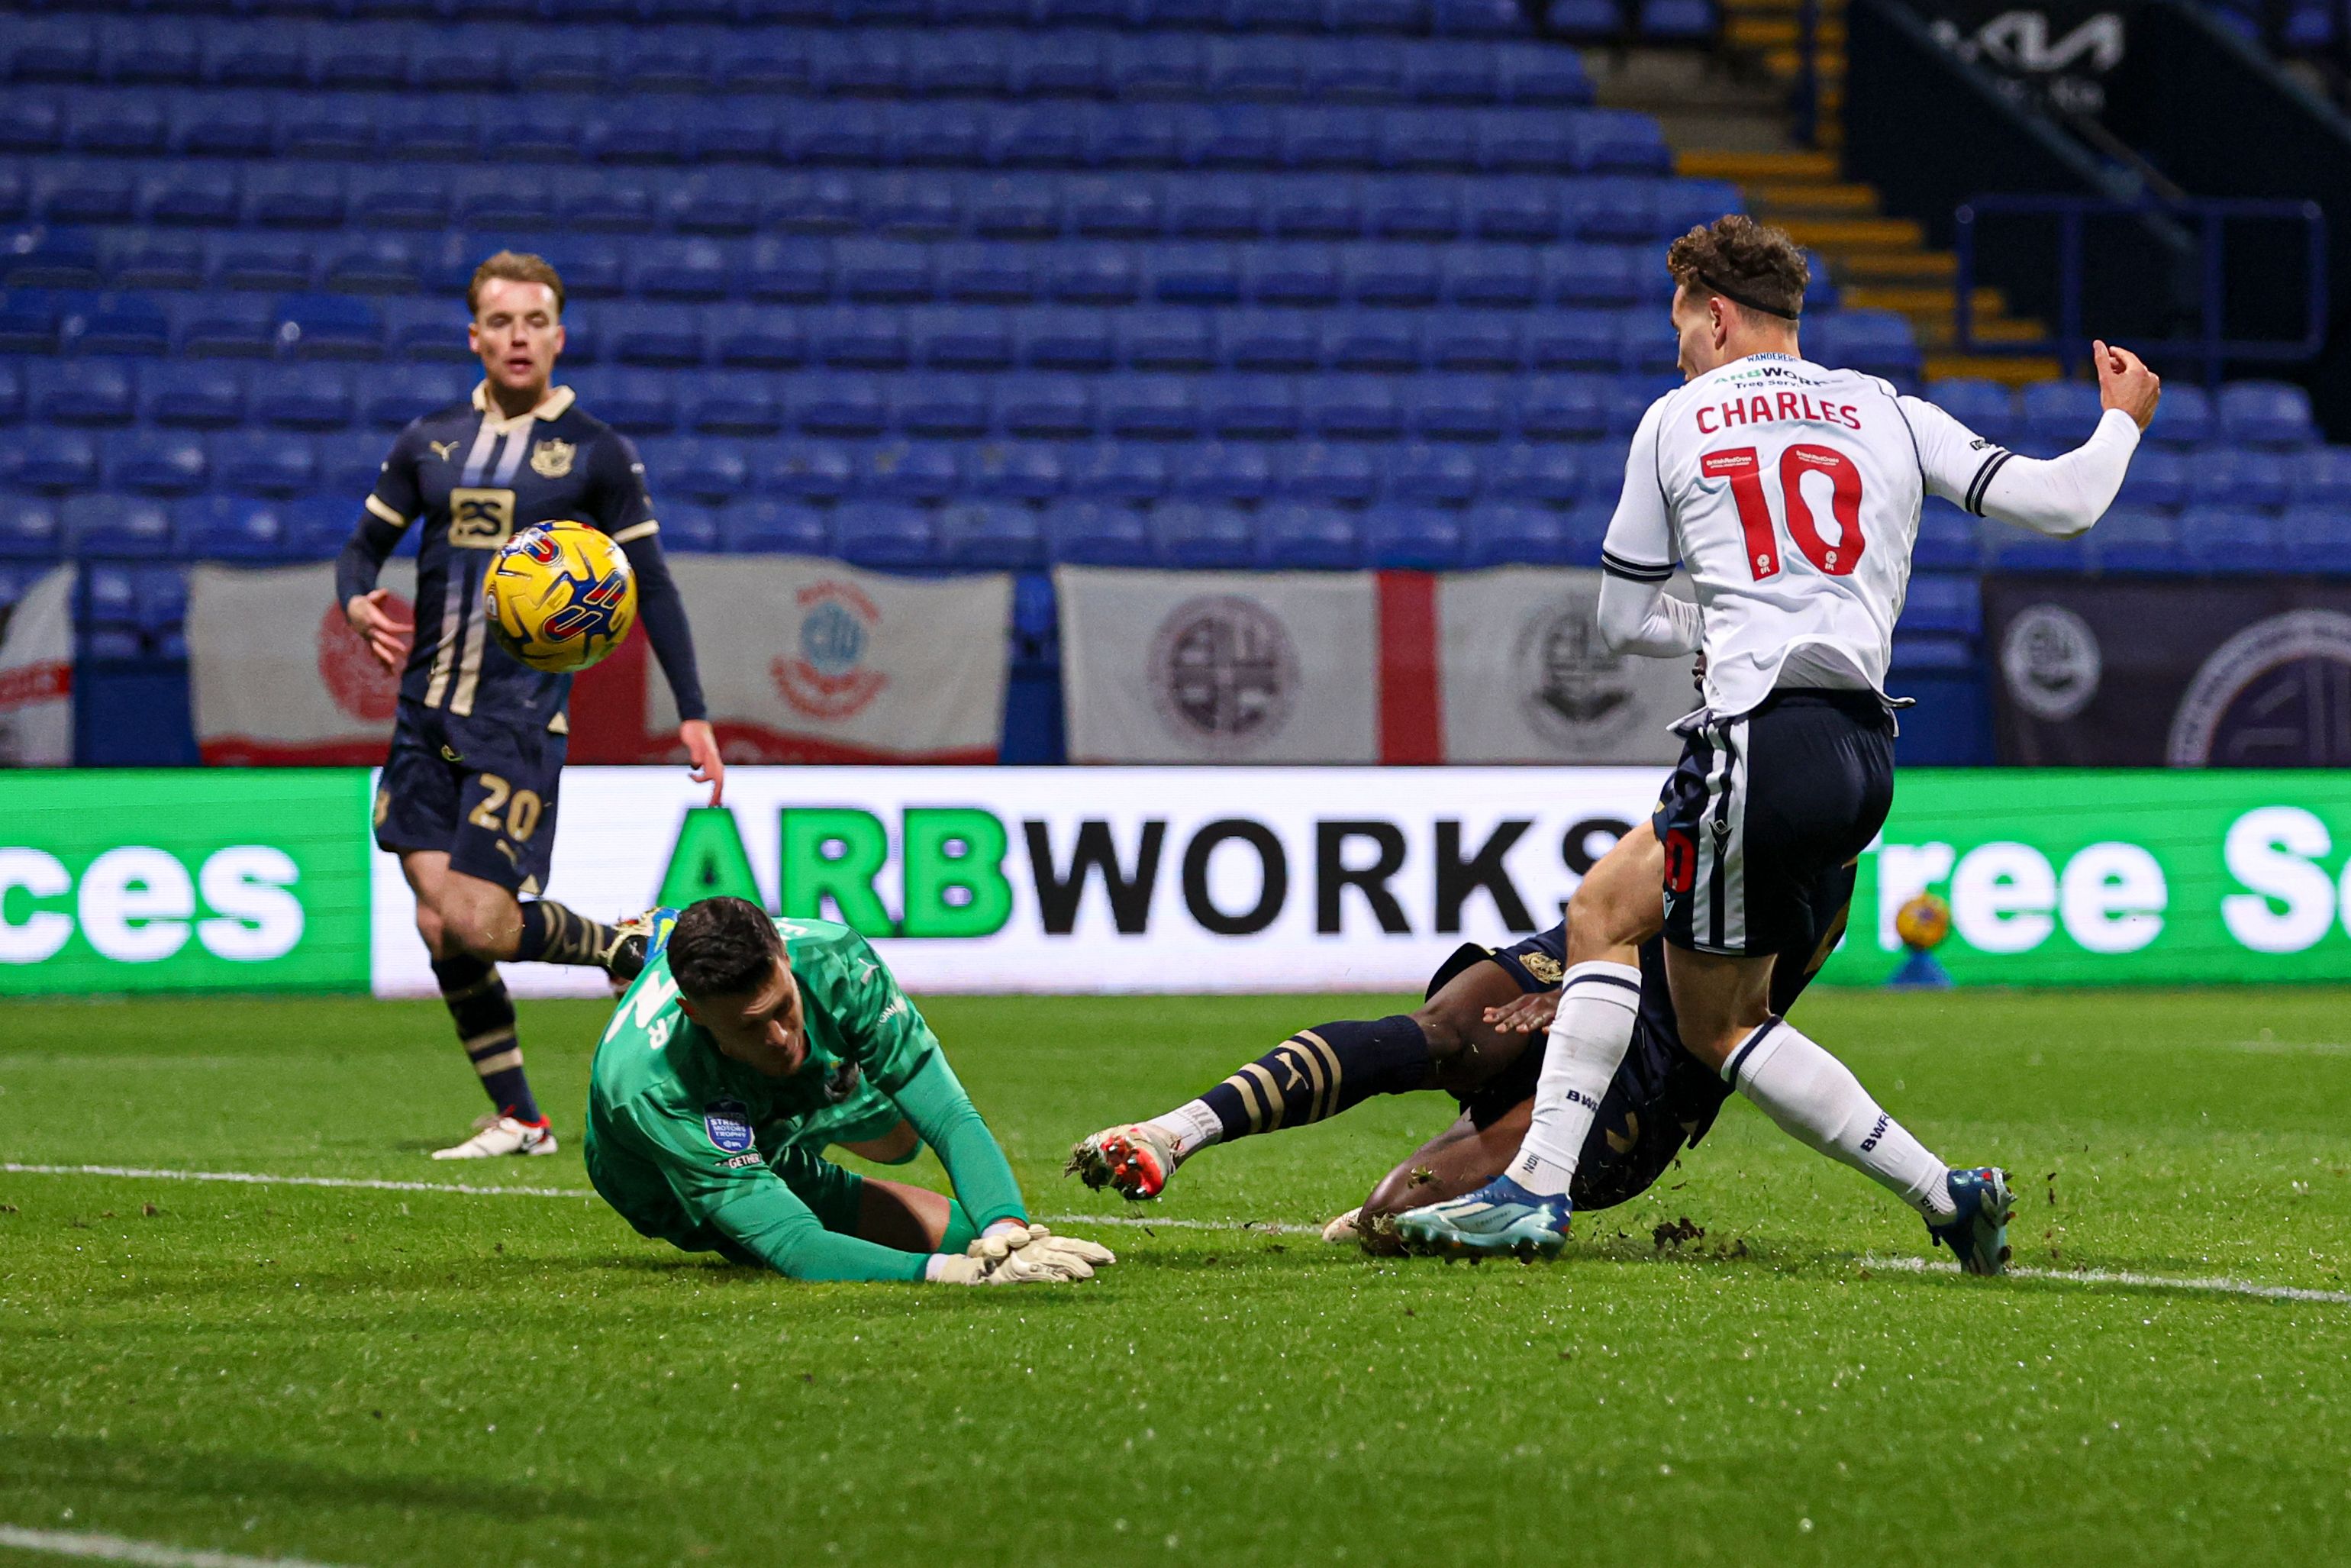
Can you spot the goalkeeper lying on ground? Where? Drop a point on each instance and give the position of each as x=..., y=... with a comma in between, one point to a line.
x=741, y=1034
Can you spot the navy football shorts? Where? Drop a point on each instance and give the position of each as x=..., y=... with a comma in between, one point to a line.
x=483, y=790
x=1760, y=806
x=1661, y=1101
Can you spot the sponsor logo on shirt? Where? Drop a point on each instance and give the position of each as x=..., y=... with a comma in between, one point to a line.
x=729, y=1123
x=741, y=1161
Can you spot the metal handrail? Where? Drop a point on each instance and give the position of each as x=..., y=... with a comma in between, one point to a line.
x=2206, y=218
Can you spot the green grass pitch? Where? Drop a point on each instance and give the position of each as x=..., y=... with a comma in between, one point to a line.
x=379, y=1377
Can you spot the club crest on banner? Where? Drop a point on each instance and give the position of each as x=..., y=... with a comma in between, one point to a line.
x=362, y=690
x=1224, y=673
x=2052, y=662
x=1573, y=689
x=2278, y=694
x=828, y=675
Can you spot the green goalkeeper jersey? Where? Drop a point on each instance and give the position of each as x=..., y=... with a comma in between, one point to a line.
x=692, y=1147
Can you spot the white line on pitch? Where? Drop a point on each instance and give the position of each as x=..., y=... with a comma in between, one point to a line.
x=2220, y=1285
x=121, y=1549
x=1145, y=1222
x=251, y=1178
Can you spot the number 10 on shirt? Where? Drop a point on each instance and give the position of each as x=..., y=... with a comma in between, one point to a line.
x=1739, y=464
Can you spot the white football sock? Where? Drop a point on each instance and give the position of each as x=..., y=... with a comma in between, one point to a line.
x=1817, y=1100
x=1597, y=1004
x=1192, y=1126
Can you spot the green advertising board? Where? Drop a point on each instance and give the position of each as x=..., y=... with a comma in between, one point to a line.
x=183, y=880
x=2063, y=877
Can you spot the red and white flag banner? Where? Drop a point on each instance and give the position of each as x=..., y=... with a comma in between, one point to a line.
x=805, y=660
x=275, y=674
x=1344, y=667
x=36, y=672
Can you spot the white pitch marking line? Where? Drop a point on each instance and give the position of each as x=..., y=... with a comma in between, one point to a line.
x=1145, y=1222
x=121, y=1549
x=2220, y=1285
x=252, y=1178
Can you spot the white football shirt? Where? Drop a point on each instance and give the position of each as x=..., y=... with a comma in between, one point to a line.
x=1792, y=494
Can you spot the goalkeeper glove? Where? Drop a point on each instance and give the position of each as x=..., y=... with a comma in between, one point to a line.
x=1012, y=1253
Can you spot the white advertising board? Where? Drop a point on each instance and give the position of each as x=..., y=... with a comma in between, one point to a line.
x=1088, y=879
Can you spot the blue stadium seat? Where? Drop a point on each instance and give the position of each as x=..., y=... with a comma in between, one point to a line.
x=2227, y=541
x=1412, y=208
x=114, y=324
x=652, y=334
x=809, y=201
x=430, y=330
x=958, y=63
x=318, y=525
x=1329, y=472
x=1879, y=343
x=99, y=192
x=269, y=262
x=690, y=526
x=294, y=196
x=1066, y=340
x=987, y=271
x=638, y=402
x=1420, y=475
x=2056, y=416
x=2007, y=549
x=1351, y=408
x=1512, y=209
x=2158, y=478
x=261, y=463
x=112, y=597
x=107, y=526
x=29, y=527
x=1941, y=603
x=714, y=471
x=912, y=206
x=301, y=397
x=157, y=462
x=29, y=322
x=185, y=191
x=348, y=462
x=1412, y=539
x=773, y=528
x=1150, y=406
x=230, y=528
x=80, y=391
x=1194, y=273
x=731, y=405
x=1322, y=206
x=1514, y=533
x=1551, y=476
x=1118, y=470
x=1373, y=340
x=2265, y=413
x=2318, y=477
x=29, y=124
x=1268, y=341
x=1948, y=539
x=880, y=270
x=755, y=337
x=2238, y=479
x=1456, y=408
x=1015, y=471
x=1292, y=275
x=160, y=595
x=1250, y=407
x=900, y=470
x=883, y=534
x=1985, y=407
x=1542, y=75
x=1221, y=471
x=1503, y=275
x=787, y=269
x=834, y=405
x=804, y=470
x=1097, y=533
x=1169, y=339
x=53, y=49
x=1189, y=534
x=991, y=536
x=12, y=392
x=2129, y=540
x=246, y=54
x=1215, y=206
x=393, y=395
x=942, y=405
x=1046, y=406
x=961, y=337
x=394, y=197
x=1576, y=339
x=2315, y=538
x=1678, y=21
x=1299, y=536
x=1477, y=19
x=2184, y=418
x=329, y=327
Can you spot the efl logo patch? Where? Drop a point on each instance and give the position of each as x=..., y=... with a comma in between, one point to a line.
x=729, y=1123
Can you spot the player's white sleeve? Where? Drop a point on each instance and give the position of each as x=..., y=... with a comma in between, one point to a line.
x=1643, y=618
x=2060, y=497
x=1636, y=614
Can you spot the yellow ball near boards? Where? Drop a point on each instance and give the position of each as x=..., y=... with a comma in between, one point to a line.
x=1923, y=922
x=559, y=596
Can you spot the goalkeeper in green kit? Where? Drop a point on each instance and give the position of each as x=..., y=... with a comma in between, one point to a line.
x=743, y=1036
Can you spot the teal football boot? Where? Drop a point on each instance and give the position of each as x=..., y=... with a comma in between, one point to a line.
x=1978, y=1233
x=1500, y=1219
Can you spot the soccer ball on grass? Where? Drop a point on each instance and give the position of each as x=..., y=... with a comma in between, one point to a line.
x=560, y=597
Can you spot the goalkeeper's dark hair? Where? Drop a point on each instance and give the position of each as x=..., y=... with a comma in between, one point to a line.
x=723, y=947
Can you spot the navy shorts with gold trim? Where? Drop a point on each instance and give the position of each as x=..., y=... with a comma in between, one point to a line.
x=483, y=790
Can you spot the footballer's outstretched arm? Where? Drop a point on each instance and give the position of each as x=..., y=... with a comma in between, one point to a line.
x=2060, y=497
x=1636, y=614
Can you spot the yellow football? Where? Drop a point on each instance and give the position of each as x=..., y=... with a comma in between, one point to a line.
x=1923, y=922
x=559, y=596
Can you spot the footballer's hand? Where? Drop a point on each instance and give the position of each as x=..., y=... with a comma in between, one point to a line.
x=1067, y=1252
x=991, y=1262
x=2125, y=383
x=1529, y=1014
x=388, y=636
x=702, y=750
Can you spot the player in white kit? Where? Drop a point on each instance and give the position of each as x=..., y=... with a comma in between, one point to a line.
x=1791, y=492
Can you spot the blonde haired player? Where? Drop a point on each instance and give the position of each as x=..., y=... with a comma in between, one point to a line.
x=1791, y=492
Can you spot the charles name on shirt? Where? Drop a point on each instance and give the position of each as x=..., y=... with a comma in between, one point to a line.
x=1764, y=408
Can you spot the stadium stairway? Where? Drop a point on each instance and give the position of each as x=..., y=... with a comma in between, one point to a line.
x=1722, y=130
